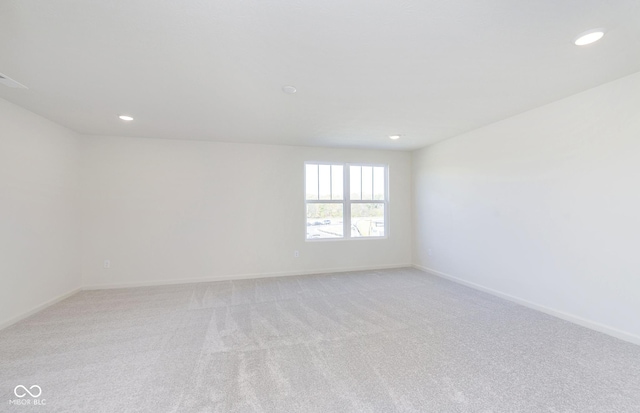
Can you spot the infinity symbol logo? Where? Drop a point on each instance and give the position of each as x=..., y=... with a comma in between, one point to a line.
x=24, y=391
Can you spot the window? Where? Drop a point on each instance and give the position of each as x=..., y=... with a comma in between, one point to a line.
x=345, y=201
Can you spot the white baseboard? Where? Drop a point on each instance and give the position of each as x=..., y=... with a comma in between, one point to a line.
x=614, y=332
x=11, y=321
x=154, y=283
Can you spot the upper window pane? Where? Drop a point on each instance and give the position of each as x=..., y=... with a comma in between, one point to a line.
x=367, y=183
x=378, y=183
x=325, y=181
x=311, y=187
x=355, y=186
x=337, y=182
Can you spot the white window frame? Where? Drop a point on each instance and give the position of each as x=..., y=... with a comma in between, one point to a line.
x=347, y=201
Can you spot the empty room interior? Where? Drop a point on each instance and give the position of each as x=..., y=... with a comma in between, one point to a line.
x=329, y=206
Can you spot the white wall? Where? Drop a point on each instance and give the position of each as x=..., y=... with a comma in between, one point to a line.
x=543, y=206
x=39, y=220
x=176, y=210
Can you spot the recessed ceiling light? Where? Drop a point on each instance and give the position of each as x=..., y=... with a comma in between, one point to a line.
x=290, y=90
x=394, y=137
x=589, y=37
x=125, y=117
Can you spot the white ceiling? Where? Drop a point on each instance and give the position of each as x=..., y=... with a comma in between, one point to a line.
x=364, y=69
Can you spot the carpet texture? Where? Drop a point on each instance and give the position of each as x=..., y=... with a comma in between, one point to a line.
x=372, y=341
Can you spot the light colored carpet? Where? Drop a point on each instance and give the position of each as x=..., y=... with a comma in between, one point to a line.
x=374, y=341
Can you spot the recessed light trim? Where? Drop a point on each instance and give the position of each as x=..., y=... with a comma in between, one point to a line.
x=588, y=37
x=125, y=118
x=289, y=90
x=394, y=137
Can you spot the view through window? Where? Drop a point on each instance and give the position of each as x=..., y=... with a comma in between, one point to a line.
x=345, y=200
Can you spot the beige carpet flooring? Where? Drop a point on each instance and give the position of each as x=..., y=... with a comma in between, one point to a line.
x=373, y=341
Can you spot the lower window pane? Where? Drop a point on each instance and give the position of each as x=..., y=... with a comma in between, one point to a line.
x=324, y=221
x=367, y=220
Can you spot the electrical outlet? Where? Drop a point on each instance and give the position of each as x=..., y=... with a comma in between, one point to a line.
x=107, y=264
x=296, y=254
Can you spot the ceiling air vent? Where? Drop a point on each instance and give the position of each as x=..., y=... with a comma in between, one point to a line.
x=7, y=81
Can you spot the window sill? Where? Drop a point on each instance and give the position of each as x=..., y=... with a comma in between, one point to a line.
x=344, y=239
